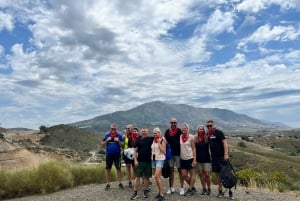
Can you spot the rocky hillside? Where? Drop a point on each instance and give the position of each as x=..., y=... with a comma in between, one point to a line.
x=21, y=148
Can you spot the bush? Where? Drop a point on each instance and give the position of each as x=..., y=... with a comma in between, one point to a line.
x=242, y=144
x=54, y=176
x=89, y=174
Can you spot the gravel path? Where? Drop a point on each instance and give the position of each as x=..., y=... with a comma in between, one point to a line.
x=95, y=192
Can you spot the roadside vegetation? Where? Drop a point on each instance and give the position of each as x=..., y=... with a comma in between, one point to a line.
x=49, y=177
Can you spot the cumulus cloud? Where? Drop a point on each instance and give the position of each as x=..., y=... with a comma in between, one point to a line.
x=267, y=33
x=6, y=21
x=87, y=58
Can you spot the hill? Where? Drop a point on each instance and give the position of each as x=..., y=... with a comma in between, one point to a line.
x=158, y=113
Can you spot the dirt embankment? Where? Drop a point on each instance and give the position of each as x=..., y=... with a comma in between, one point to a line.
x=21, y=149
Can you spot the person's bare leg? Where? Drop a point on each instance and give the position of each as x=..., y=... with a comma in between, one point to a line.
x=107, y=175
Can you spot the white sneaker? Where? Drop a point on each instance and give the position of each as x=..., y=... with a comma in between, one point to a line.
x=181, y=191
x=170, y=190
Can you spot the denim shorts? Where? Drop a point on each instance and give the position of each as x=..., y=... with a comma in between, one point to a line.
x=158, y=163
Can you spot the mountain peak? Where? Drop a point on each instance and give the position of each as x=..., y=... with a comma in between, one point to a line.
x=158, y=113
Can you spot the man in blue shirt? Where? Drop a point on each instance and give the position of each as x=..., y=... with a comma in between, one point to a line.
x=113, y=141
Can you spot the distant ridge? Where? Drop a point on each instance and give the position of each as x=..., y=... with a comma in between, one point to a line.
x=158, y=113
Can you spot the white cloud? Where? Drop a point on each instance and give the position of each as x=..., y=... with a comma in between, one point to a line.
x=219, y=22
x=6, y=21
x=268, y=33
x=89, y=58
x=251, y=6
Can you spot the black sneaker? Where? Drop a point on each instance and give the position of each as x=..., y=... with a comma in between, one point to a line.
x=107, y=187
x=134, y=196
x=121, y=186
x=161, y=198
x=204, y=191
x=146, y=193
x=130, y=184
x=189, y=192
x=208, y=191
x=231, y=195
x=220, y=194
x=194, y=190
x=157, y=196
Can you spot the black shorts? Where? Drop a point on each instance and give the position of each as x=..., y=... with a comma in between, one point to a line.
x=217, y=164
x=113, y=158
x=186, y=164
x=127, y=160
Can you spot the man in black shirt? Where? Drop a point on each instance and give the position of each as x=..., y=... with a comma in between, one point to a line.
x=219, y=153
x=142, y=160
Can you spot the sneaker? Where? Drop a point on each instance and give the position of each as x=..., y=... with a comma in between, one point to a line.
x=146, y=193
x=194, y=190
x=157, y=196
x=231, y=195
x=121, y=186
x=107, y=187
x=130, y=184
x=220, y=194
x=204, y=191
x=134, y=196
x=208, y=191
x=161, y=198
x=181, y=191
x=170, y=190
x=189, y=192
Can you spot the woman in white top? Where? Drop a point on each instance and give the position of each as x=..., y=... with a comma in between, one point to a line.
x=158, y=157
x=188, y=158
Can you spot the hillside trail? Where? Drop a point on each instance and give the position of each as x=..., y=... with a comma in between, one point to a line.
x=96, y=192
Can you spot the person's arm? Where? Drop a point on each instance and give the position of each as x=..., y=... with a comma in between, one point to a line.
x=225, y=145
x=120, y=141
x=104, y=141
x=162, y=145
x=193, y=144
x=135, y=149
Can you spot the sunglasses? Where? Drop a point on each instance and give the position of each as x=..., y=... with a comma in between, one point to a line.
x=209, y=126
x=173, y=122
x=113, y=129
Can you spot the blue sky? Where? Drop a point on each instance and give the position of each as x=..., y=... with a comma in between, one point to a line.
x=63, y=61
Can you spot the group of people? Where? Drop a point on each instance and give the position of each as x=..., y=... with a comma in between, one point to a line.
x=206, y=151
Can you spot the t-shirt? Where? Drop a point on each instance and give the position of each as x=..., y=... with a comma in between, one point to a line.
x=112, y=146
x=216, y=145
x=143, y=146
x=174, y=141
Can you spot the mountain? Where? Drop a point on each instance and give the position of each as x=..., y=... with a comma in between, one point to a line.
x=158, y=113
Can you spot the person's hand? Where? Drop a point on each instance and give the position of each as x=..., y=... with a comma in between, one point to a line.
x=116, y=139
x=226, y=157
x=108, y=139
x=194, y=164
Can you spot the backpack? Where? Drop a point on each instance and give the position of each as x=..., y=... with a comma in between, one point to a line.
x=168, y=152
x=228, y=176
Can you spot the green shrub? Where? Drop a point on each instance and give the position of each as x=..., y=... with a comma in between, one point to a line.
x=3, y=182
x=88, y=174
x=54, y=176
x=247, y=177
x=242, y=144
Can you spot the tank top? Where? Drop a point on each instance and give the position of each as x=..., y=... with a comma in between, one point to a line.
x=159, y=155
x=186, y=151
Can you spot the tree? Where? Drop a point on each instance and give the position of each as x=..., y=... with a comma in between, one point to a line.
x=43, y=129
